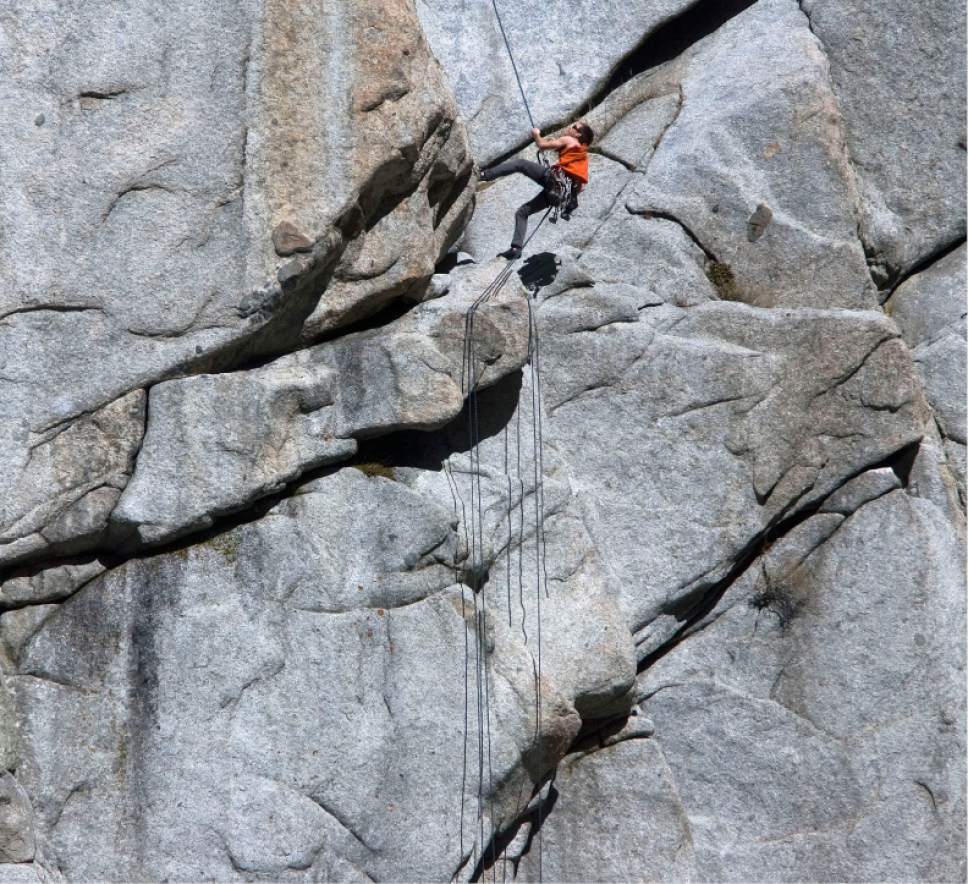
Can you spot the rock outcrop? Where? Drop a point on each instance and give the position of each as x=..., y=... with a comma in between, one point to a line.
x=331, y=552
x=150, y=184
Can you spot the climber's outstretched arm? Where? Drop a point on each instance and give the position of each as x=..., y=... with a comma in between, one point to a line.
x=552, y=143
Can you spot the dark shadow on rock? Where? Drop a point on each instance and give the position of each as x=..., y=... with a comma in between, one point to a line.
x=670, y=40
x=539, y=270
x=428, y=450
x=452, y=260
x=493, y=854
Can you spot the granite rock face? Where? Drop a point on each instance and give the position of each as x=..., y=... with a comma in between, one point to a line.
x=331, y=552
x=845, y=768
x=147, y=180
x=892, y=62
x=564, y=52
x=215, y=443
x=358, y=658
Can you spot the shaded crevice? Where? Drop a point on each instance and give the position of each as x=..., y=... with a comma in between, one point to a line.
x=629, y=167
x=35, y=569
x=427, y=450
x=535, y=816
x=140, y=187
x=719, y=273
x=668, y=216
x=103, y=95
x=924, y=263
x=691, y=609
x=662, y=44
x=930, y=793
x=120, y=553
x=338, y=818
x=669, y=40
x=603, y=733
x=855, y=370
x=52, y=308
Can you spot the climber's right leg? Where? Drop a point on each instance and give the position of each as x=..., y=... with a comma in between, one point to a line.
x=537, y=204
x=535, y=171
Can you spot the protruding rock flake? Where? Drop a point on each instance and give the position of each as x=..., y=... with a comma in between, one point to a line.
x=337, y=546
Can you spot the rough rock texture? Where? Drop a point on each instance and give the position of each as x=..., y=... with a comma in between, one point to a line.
x=895, y=62
x=72, y=474
x=824, y=734
x=145, y=177
x=327, y=553
x=359, y=658
x=215, y=443
x=565, y=53
x=617, y=781
x=734, y=431
x=929, y=308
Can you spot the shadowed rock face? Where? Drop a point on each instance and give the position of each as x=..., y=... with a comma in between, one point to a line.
x=676, y=594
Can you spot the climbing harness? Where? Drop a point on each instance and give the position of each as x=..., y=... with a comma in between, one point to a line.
x=562, y=191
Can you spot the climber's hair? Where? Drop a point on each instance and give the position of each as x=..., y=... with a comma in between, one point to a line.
x=585, y=133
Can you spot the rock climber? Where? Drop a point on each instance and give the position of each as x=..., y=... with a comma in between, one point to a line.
x=572, y=150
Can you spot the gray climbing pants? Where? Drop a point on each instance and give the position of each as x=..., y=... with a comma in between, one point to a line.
x=539, y=175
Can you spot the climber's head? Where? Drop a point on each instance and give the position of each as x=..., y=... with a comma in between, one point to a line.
x=582, y=131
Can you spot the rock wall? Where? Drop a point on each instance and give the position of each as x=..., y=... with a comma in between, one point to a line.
x=329, y=550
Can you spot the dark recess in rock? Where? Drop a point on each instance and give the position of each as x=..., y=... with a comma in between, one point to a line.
x=427, y=450
x=493, y=855
x=721, y=276
x=671, y=39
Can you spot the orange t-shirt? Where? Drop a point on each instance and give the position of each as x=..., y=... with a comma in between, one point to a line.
x=574, y=161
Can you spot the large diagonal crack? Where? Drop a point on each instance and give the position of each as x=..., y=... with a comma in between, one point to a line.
x=693, y=609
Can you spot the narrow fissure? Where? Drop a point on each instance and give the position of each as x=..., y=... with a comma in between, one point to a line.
x=663, y=43
x=536, y=815
x=690, y=611
x=922, y=264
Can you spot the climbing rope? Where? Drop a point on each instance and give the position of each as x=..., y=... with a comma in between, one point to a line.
x=514, y=66
x=473, y=531
x=517, y=76
x=471, y=514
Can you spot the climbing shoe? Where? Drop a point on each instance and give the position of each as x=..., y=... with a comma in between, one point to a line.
x=512, y=254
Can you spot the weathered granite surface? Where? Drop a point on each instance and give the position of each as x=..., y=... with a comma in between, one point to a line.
x=674, y=592
x=900, y=68
x=146, y=181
